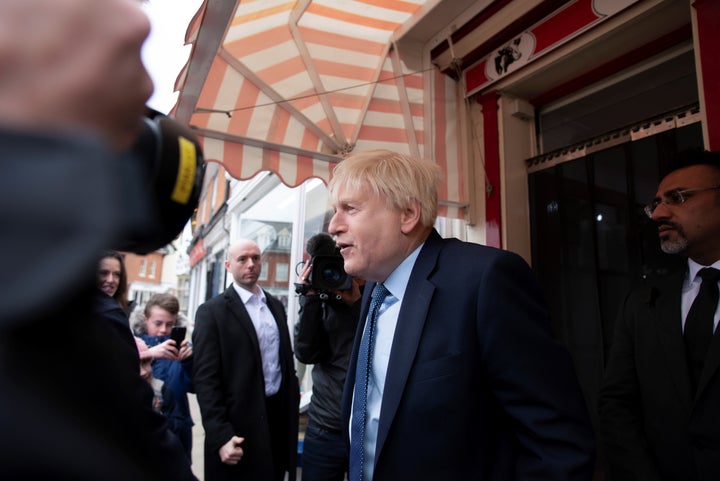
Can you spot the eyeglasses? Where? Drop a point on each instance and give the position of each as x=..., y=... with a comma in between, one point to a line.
x=674, y=197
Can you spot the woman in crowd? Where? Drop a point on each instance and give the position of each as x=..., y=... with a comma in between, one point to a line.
x=112, y=278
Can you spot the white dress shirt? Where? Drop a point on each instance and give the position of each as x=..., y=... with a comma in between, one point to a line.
x=268, y=335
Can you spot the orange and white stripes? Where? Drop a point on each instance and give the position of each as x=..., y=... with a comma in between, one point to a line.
x=296, y=85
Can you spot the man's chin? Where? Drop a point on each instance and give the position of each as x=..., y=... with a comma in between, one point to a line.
x=676, y=246
x=350, y=269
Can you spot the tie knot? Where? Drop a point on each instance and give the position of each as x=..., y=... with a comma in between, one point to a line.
x=709, y=274
x=379, y=293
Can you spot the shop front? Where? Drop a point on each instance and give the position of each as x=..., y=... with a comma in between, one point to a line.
x=574, y=110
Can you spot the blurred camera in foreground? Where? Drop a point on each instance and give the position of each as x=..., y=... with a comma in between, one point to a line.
x=168, y=169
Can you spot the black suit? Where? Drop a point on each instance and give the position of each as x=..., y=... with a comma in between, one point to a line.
x=653, y=426
x=476, y=387
x=230, y=388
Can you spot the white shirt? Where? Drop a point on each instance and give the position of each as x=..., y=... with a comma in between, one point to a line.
x=385, y=326
x=268, y=335
x=691, y=287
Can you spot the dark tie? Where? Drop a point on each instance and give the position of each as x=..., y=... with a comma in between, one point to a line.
x=699, y=323
x=357, y=441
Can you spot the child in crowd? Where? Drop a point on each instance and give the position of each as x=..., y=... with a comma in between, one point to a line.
x=163, y=399
x=172, y=361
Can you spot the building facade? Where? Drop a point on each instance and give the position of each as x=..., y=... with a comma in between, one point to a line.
x=564, y=113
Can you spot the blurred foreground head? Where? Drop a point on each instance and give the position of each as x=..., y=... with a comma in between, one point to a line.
x=74, y=66
x=104, y=171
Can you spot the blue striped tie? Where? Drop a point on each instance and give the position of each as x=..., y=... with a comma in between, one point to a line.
x=359, y=414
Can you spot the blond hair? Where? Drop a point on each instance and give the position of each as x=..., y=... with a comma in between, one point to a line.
x=398, y=178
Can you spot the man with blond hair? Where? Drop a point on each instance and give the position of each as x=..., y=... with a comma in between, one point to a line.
x=454, y=372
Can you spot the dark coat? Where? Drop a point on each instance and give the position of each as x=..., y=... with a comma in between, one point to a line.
x=653, y=427
x=324, y=335
x=230, y=387
x=73, y=405
x=476, y=387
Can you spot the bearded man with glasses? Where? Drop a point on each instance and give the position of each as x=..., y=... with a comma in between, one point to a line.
x=659, y=416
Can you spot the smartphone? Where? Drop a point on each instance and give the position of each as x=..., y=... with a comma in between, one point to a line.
x=177, y=334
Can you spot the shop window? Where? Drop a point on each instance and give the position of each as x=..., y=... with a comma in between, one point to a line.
x=264, y=272
x=281, y=272
x=592, y=242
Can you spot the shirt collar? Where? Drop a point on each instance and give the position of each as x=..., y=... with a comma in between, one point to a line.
x=694, y=268
x=398, y=279
x=246, y=295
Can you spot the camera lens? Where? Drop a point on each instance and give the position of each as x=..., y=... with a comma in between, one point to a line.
x=329, y=274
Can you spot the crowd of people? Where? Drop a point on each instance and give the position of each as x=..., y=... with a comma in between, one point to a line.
x=442, y=367
x=451, y=371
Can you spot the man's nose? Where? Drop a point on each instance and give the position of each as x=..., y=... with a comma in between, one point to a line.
x=662, y=211
x=334, y=226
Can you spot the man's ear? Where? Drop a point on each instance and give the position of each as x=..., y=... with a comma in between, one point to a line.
x=410, y=217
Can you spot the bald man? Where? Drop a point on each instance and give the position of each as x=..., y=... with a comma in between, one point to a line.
x=245, y=377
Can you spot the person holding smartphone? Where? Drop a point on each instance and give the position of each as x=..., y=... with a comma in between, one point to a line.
x=163, y=329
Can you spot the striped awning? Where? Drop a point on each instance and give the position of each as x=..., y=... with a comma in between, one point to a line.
x=294, y=86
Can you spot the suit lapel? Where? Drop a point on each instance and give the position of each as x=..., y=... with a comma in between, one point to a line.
x=712, y=361
x=411, y=320
x=667, y=308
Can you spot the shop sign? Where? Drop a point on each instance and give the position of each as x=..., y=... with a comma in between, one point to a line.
x=197, y=252
x=554, y=30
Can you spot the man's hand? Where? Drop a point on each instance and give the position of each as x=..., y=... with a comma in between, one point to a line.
x=231, y=452
x=303, y=279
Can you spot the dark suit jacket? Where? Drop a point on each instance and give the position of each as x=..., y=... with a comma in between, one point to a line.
x=73, y=405
x=476, y=387
x=652, y=426
x=230, y=388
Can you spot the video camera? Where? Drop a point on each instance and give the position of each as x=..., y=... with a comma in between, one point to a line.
x=328, y=271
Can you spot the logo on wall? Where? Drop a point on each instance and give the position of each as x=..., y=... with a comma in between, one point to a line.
x=566, y=23
x=510, y=56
